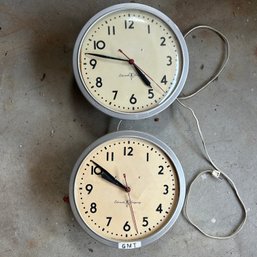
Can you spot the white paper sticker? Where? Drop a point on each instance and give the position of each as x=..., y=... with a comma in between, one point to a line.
x=129, y=245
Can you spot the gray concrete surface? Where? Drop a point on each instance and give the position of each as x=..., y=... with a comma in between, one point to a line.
x=45, y=123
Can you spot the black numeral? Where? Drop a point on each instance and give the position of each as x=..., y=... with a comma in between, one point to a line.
x=110, y=156
x=133, y=99
x=166, y=187
x=126, y=227
x=89, y=188
x=145, y=222
x=109, y=220
x=150, y=93
x=93, y=63
x=129, y=24
x=128, y=151
x=99, y=44
x=164, y=80
x=111, y=30
x=95, y=170
x=163, y=39
x=115, y=92
x=98, y=82
x=159, y=208
x=93, y=208
x=147, y=157
x=161, y=168
x=169, y=60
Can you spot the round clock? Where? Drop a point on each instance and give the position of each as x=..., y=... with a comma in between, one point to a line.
x=130, y=61
x=127, y=189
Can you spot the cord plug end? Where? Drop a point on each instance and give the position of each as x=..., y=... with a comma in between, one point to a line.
x=216, y=174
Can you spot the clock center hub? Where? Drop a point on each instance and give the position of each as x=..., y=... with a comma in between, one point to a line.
x=131, y=61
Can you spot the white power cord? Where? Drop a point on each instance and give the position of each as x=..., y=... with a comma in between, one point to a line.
x=222, y=66
x=216, y=173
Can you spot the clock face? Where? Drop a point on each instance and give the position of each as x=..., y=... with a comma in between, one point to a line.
x=126, y=189
x=129, y=61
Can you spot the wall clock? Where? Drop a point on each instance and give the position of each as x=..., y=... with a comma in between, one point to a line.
x=130, y=61
x=127, y=189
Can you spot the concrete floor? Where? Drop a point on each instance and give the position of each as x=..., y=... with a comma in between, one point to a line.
x=45, y=123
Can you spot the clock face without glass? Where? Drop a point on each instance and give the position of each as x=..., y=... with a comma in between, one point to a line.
x=130, y=61
x=127, y=189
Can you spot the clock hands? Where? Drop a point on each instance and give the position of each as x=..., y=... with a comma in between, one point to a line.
x=141, y=73
x=130, y=204
x=107, y=176
x=138, y=69
x=128, y=60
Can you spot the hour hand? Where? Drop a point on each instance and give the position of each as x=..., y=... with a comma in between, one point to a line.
x=139, y=71
x=142, y=76
x=107, y=176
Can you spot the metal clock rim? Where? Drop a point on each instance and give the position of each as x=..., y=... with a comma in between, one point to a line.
x=166, y=149
x=174, y=94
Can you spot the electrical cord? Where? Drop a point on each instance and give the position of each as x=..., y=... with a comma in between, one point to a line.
x=225, y=60
x=216, y=173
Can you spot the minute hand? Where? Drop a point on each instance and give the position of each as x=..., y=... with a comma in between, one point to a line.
x=108, y=57
x=107, y=176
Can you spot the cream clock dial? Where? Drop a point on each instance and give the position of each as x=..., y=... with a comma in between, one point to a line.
x=130, y=61
x=127, y=189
